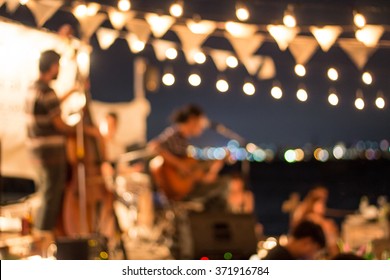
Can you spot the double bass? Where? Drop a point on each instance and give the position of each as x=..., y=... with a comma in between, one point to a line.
x=88, y=204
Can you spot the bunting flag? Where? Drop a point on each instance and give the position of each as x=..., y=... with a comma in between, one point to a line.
x=89, y=24
x=245, y=47
x=267, y=70
x=118, y=19
x=2, y=2
x=302, y=49
x=43, y=10
x=140, y=28
x=136, y=45
x=191, y=43
x=357, y=52
x=326, y=36
x=106, y=37
x=201, y=27
x=283, y=35
x=219, y=57
x=240, y=30
x=369, y=35
x=160, y=47
x=12, y=5
x=252, y=64
x=159, y=24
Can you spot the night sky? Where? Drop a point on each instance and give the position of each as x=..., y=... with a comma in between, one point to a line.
x=259, y=118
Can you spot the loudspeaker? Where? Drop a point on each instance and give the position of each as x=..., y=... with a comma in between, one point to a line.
x=91, y=248
x=223, y=235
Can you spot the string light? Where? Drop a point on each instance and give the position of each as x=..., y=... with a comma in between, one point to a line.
x=380, y=101
x=168, y=78
x=333, y=74
x=289, y=17
x=367, y=78
x=222, y=85
x=276, y=90
x=80, y=11
x=23, y=2
x=359, y=102
x=359, y=20
x=242, y=12
x=333, y=99
x=93, y=9
x=124, y=5
x=171, y=53
x=249, y=88
x=302, y=94
x=232, y=61
x=300, y=70
x=194, y=79
x=176, y=9
x=200, y=57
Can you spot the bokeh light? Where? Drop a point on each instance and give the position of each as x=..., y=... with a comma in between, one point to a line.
x=300, y=70
x=194, y=80
x=222, y=85
x=333, y=74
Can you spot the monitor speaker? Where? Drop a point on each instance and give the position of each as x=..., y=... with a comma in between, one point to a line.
x=222, y=235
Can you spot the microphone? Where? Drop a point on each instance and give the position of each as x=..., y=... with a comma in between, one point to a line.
x=226, y=132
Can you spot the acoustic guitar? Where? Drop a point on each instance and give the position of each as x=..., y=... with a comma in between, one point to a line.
x=175, y=184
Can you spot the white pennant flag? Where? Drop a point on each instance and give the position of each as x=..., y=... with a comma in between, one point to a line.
x=219, y=57
x=252, y=64
x=118, y=19
x=89, y=24
x=12, y=5
x=201, y=27
x=245, y=47
x=369, y=35
x=302, y=49
x=159, y=24
x=106, y=37
x=43, y=10
x=267, y=70
x=357, y=52
x=135, y=44
x=326, y=36
x=160, y=48
x=191, y=43
x=2, y=2
x=240, y=30
x=283, y=35
x=140, y=28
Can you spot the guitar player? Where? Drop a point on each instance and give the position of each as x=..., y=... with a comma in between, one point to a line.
x=184, y=182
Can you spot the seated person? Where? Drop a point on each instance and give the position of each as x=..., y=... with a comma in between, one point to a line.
x=181, y=177
x=306, y=240
x=239, y=198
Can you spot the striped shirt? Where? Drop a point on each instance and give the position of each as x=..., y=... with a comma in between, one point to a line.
x=174, y=142
x=42, y=106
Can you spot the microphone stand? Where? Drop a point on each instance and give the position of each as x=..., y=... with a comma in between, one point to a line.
x=230, y=134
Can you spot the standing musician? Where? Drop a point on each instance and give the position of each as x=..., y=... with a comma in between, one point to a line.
x=47, y=134
x=183, y=178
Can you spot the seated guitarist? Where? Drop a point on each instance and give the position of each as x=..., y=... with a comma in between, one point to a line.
x=172, y=144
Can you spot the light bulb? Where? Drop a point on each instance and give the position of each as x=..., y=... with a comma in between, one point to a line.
x=333, y=99
x=194, y=80
x=333, y=74
x=200, y=57
x=359, y=20
x=302, y=95
x=242, y=12
x=380, y=102
x=222, y=85
x=81, y=10
x=249, y=88
x=168, y=79
x=176, y=9
x=359, y=103
x=276, y=92
x=367, y=78
x=300, y=70
x=232, y=61
x=171, y=53
x=124, y=5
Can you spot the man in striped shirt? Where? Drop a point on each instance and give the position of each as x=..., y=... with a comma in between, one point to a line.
x=47, y=134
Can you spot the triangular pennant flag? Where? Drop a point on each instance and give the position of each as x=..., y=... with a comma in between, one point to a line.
x=267, y=70
x=159, y=24
x=43, y=10
x=245, y=47
x=135, y=44
x=357, y=52
x=12, y=5
x=118, y=19
x=106, y=37
x=89, y=24
x=252, y=64
x=219, y=57
x=302, y=49
x=283, y=35
x=140, y=28
x=369, y=35
x=326, y=36
x=160, y=47
x=240, y=30
x=201, y=27
x=188, y=39
x=2, y=2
